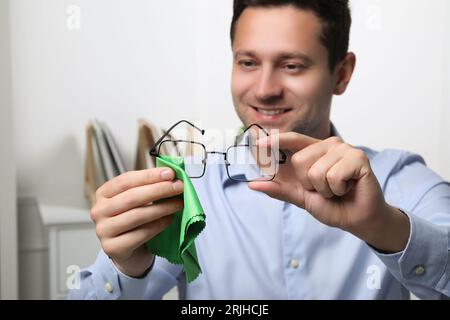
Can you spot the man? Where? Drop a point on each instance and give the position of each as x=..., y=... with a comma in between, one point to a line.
x=338, y=222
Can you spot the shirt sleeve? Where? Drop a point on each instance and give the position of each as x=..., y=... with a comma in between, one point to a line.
x=103, y=281
x=423, y=267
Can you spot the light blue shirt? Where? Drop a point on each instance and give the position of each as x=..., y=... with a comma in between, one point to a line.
x=256, y=247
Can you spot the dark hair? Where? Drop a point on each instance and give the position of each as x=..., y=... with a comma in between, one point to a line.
x=334, y=14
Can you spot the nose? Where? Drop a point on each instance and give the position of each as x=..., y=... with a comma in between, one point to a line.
x=268, y=86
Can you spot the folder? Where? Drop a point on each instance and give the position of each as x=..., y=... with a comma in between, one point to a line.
x=148, y=134
x=104, y=161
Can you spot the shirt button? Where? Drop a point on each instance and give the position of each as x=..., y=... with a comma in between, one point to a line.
x=108, y=287
x=294, y=264
x=420, y=270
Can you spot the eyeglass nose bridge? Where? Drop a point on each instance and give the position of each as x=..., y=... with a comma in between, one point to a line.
x=224, y=154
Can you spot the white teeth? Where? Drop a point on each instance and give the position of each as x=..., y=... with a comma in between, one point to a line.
x=270, y=112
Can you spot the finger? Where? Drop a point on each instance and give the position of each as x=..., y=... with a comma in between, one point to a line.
x=134, y=179
x=341, y=177
x=124, y=245
x=139, y=196
x=318, y=172
x=137, y=217
x=291, y=141
x=303, y=160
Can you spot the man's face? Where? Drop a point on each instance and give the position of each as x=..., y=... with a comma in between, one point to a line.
x=281, y=78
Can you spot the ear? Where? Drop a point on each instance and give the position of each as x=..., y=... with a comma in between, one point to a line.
x=343, y=73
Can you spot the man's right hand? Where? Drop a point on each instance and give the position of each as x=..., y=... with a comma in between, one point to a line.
x=126, y=216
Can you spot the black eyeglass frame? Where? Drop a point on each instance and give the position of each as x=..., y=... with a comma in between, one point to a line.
x=155, y=150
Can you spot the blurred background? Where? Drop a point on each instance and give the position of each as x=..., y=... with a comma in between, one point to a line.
x=63, y=63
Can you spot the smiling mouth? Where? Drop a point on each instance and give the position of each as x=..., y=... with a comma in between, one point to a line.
x=271, y=112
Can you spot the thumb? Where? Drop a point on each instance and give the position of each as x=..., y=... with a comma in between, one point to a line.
x=280, y=191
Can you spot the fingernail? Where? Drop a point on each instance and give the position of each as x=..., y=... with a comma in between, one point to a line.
x=166, y=175
x=177, y=186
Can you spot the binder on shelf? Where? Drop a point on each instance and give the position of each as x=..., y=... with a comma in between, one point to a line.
x=93, y=172
x=117, y=161
x=103, y=159
x=148, y=134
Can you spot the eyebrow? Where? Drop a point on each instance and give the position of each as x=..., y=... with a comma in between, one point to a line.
x=280, y=56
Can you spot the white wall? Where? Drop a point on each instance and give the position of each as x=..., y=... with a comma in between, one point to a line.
x=168, y=60
x=8, y=214
x=399, y=94
x=160, y=60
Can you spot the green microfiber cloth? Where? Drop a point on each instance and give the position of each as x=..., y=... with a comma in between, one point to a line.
x=176, y=243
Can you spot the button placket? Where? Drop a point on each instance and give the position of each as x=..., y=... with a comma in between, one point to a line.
x=294, y=263
x=419, y=270
x=109, y=287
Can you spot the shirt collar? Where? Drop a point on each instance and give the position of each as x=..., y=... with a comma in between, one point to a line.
x=334, y=132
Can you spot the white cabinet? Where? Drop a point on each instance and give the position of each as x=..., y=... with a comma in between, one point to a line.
x=72, y=245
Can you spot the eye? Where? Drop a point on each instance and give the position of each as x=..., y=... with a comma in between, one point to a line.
x=294, y=67
x=247, y=64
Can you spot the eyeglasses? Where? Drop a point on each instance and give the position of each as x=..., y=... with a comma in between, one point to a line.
x=244, y=161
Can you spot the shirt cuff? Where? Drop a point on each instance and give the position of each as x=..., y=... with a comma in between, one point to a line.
x=104, y=278
x=424, y=262
x=133, y=288
x=153, y=285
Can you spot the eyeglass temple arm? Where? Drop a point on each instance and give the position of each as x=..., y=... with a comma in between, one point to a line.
x=248, y=128
x=153, y=149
